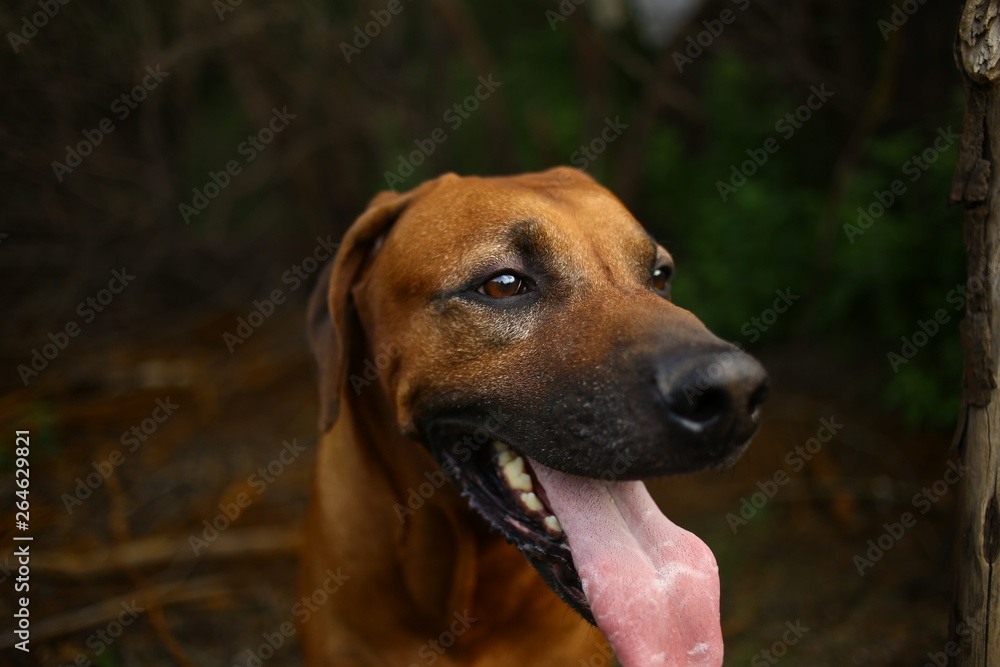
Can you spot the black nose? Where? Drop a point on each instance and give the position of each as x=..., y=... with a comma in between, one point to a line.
x=713, y=396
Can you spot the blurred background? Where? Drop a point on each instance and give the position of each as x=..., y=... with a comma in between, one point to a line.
x=170, y=170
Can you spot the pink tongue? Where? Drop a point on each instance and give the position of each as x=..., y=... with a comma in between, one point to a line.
x=652, y=586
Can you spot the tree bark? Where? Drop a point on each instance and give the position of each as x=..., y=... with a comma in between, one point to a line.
x=974, y=632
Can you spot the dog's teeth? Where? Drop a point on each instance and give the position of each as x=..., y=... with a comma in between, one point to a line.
x=512, y=466
x=518, y=480
x=531, y=501
x=553, y=524
x=504, y=454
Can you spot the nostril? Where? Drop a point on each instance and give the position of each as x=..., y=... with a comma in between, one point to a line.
x=758, y=397
x=716, y=394
x=702, y=407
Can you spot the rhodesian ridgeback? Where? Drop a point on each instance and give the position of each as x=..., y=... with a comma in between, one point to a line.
x=500, y=365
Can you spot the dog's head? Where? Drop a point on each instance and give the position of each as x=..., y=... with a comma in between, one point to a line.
x=525, y=334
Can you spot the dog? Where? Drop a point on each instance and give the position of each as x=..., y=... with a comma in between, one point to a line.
x=500, y=365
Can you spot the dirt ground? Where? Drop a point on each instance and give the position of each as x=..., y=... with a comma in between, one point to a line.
x=115, y=579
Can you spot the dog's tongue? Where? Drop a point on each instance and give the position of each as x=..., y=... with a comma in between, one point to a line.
x=652, y=586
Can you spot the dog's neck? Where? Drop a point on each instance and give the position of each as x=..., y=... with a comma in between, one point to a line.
x=448, y=556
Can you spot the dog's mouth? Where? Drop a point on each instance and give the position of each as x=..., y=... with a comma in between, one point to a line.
x=603, y=546
x=500, y=485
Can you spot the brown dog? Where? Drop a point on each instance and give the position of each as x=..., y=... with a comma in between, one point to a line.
x=516, y=333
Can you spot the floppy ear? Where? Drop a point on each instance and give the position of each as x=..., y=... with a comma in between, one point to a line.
x=331, y=310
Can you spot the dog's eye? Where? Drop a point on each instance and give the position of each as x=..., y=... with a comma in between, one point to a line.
x=503, y=286
x=661, y=277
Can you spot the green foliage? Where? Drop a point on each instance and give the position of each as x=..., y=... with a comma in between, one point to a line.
x=108, y=659
x=786, y=227
x=734, y=253
x=740, y=231
x=783, y=229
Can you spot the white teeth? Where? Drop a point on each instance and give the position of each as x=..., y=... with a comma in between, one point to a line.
x=513, y=469
x=518, y=480
x=504, y=455
x=531, y=501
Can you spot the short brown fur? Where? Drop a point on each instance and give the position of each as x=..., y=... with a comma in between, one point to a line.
x=386, y=296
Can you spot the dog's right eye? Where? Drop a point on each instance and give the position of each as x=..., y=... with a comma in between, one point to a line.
x=503, y=286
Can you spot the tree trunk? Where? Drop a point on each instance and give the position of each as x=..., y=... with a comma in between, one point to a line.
x=974, y=631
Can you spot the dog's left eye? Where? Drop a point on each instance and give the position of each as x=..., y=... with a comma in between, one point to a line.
x=661, y=278
x=503, y=286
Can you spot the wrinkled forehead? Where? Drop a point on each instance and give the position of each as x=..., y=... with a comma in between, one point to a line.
x=468, y=221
